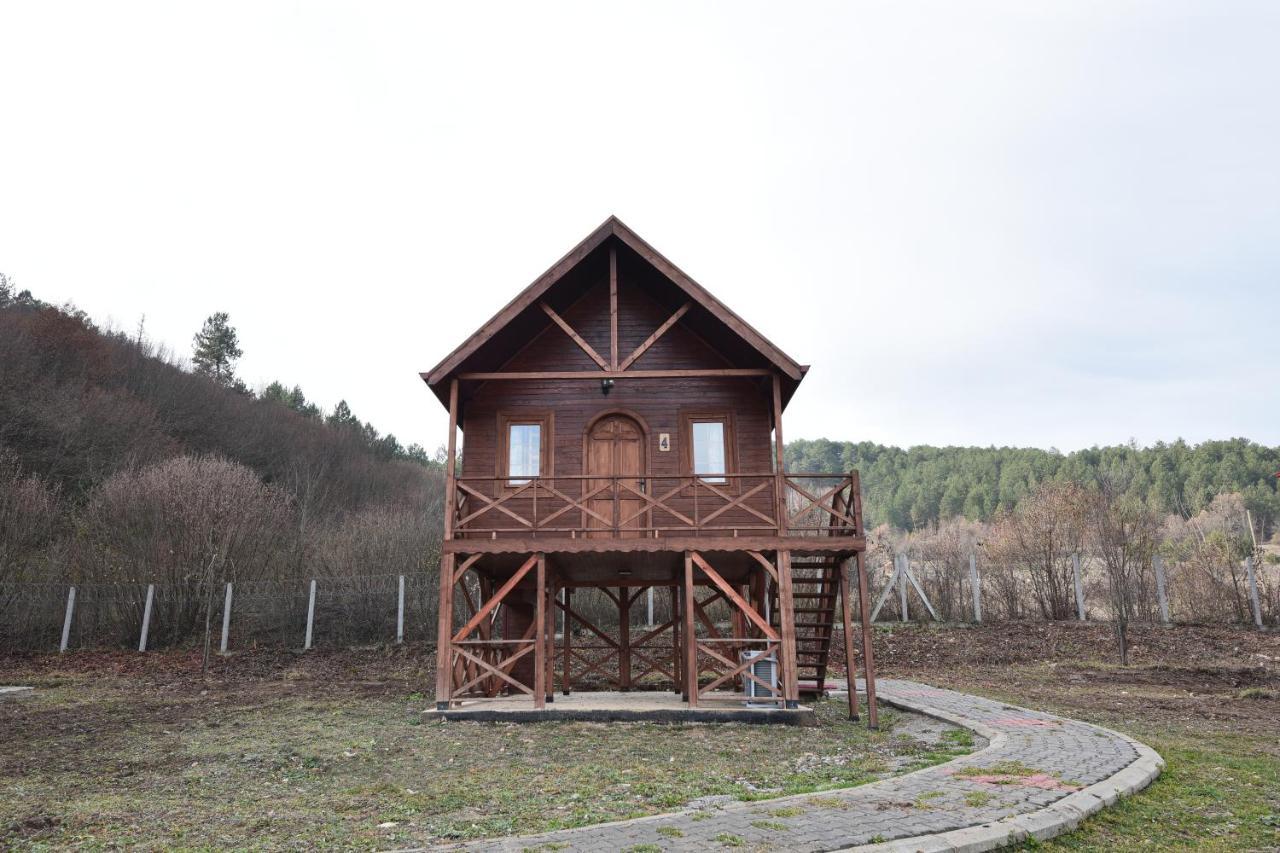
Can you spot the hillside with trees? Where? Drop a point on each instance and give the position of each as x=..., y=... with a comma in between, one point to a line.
x=121, y=466
x=118, y=464
x=922, y=486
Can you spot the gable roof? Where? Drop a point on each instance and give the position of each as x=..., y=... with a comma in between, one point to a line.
x=525, y=305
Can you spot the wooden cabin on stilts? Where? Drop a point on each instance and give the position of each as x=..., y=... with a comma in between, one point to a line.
x=623, y=432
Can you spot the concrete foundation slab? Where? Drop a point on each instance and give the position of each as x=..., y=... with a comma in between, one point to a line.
x=634, y=706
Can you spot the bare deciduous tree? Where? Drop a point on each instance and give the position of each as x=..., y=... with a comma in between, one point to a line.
x=1040, y=535
x=1124, y=534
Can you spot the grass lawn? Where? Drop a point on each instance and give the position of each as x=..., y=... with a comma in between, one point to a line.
x=333, y=751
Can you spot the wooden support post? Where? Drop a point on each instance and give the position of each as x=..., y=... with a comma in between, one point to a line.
x=451, y=465
x=975, y=585
x=226, y=621
x=66, y=619
x=624, y=638
x=1075, y=576
x=311, y=615
x=779, y=473
x=690, y=638
x=1253, y=592
x=540, y=646
x=444, y=631
x=868, y=656
x=738, y=621
x=444, y=635
x=1157, y=563
x=649, y=621
x=146, y=617
x=677, y=652
x=400, y=612
x=787, y=620
x=846, y=608
x=566, y=639
x=550, y=639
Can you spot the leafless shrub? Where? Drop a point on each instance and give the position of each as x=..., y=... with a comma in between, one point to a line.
x=943, y=560
x=1124, y=534
x=29, y=522
x=1040, y=536
x=187, y=523
x=1207, y=580
x=30, y=527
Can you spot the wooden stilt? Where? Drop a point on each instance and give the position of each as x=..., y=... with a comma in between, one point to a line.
x=677, y=651
x=624, y=638
x=550, y=610
x=690, y=638
x=567, y=642
x=540, y=647
x=444, y=635
x=787, y=621
x=868, y=657
x=739, y=630
x=851, y=670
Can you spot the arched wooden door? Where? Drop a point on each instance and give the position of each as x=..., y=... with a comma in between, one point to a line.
x=615, y=448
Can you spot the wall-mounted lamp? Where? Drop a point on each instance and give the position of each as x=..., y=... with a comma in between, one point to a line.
x=606, y=385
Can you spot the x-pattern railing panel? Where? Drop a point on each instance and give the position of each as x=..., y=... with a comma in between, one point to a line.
x=714, y=504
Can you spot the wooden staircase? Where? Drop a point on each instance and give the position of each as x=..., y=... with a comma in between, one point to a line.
x=815, y=584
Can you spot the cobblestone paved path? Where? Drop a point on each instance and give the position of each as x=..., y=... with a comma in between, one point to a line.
x=1039, y=773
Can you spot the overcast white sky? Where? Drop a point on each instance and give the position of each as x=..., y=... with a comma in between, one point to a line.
x=1011, y=223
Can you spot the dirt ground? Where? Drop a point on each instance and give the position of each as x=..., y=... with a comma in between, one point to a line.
x=279, y=749
x=332, y=749
x=1188, y=675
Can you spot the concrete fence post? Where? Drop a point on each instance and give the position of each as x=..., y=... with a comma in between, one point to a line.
x=1075, y=576
x=902, y=587
x=975, y=583
x=226, y=620
x=1253, y=592
x=649, y=624
x=400, y=613
x=146, y=617
x=1157, y=563
x=311, y=615
x=66, y=620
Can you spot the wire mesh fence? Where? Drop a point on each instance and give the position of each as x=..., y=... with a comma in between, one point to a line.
x=348, y=610
x=1155, y=591
x=385, y=608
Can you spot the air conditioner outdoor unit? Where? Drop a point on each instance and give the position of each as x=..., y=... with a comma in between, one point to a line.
x=764, y=667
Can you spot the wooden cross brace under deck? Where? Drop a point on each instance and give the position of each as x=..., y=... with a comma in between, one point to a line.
x=778, y=640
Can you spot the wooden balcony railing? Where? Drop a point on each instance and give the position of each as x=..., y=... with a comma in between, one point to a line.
x=589, y=506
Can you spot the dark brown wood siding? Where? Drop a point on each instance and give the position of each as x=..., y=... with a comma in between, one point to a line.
x=656, y=404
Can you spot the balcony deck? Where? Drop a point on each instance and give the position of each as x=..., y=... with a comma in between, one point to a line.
x=593, y=514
